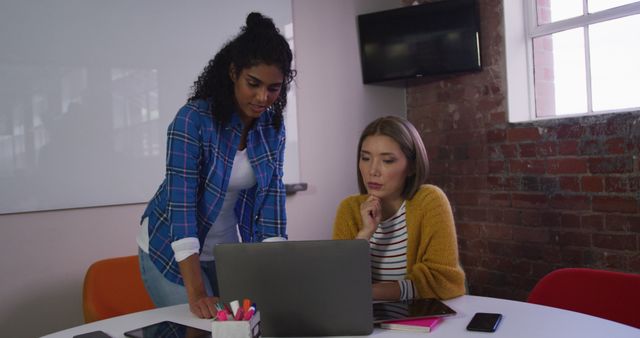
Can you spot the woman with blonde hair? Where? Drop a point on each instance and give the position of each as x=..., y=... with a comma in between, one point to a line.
x=409, y=224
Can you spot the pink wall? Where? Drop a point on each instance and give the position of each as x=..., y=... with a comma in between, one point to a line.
x=44, y=256
x=333, y=108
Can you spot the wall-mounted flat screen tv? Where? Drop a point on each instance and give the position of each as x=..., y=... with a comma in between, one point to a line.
x=433, y=38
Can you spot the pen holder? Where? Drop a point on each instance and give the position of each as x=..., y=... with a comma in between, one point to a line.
x=237, y=328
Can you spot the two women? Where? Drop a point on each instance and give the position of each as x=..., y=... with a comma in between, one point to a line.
x=224, y=184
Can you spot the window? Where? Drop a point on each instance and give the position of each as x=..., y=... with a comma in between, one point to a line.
x=571, y=57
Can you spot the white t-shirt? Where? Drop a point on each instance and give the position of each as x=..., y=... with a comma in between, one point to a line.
x=225, y=229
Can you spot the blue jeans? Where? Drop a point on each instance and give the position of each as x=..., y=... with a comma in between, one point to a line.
x=165, y=293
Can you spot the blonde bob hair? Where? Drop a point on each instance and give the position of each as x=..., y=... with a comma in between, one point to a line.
x=410, y=142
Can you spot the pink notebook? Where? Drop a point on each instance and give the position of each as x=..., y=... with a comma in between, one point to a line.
x=415, y=325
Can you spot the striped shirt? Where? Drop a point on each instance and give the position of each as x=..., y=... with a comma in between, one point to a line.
x=200, y=153
x=389, y=253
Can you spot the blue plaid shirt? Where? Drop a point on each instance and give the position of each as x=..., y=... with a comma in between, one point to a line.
x=200, y=153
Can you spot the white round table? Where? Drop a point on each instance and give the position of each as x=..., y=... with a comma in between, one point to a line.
x=520, y=320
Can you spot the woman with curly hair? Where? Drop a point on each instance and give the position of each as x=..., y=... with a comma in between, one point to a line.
x=224, y=167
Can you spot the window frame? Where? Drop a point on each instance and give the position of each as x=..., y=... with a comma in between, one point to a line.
x=521, y=27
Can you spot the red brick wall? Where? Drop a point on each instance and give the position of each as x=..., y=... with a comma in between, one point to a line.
x=528, y=198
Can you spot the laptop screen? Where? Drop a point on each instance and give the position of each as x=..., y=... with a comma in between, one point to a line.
x=301, y=288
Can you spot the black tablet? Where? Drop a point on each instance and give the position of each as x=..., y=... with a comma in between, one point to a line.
x=168, y=329
x=93, y=334
x=411, y=308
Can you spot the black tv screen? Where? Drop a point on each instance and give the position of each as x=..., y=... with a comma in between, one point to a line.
x=434, y=38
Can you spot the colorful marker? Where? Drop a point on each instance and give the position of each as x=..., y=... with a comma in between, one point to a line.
x=227, y=308
x=249, y=313
x=246, y=304
x=221, y=315
x=235, y=305
x=239, y=314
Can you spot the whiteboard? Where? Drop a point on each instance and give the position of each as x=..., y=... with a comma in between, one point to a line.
x=88, y=88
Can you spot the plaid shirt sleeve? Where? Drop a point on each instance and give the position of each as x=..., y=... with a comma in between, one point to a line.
x=183, y=158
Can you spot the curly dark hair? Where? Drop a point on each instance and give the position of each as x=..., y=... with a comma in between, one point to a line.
x=259, y=42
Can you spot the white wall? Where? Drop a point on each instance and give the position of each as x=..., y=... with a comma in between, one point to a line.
x=44, y=255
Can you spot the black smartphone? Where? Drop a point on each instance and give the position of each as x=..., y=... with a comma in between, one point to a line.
x=168, y=329
x=93, y=334
x=484, y=322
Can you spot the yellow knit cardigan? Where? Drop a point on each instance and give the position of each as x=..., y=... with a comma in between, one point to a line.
x=432, y=246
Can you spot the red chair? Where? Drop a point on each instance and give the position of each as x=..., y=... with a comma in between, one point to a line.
x=114, y=287
x=606, y=294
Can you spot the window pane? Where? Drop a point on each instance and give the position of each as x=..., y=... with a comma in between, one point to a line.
x=556, y=10
x=559, y=73
x=600, y=5
x=615, y=69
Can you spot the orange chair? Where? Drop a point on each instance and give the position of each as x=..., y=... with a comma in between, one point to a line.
x=113, y=287
x=605, y=294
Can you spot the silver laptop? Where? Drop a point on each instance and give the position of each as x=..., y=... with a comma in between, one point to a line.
x=302, y=288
